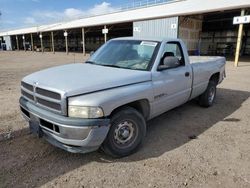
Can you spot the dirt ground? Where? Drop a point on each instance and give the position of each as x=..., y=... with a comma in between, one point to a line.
x=218, y=157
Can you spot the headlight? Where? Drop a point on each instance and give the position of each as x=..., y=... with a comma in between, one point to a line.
x=85, y=112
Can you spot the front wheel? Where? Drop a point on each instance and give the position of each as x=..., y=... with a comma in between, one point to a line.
x=208, y=97
x=126, y=134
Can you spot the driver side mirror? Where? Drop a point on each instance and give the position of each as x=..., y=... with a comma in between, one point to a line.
x=169, y=62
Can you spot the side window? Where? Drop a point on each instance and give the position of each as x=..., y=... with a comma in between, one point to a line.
x=174, y=50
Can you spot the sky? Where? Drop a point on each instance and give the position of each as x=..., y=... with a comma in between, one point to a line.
x=26, y=13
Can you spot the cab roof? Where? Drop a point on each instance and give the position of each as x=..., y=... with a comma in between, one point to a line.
x=157, y=39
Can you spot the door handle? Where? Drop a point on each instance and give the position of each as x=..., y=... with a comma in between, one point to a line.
x=187, y=74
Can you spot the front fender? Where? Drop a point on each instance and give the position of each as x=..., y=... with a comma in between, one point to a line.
x=111, y=99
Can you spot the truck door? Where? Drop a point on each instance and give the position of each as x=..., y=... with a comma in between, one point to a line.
x=172, y=86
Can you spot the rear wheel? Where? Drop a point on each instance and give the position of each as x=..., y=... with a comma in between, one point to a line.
x=208, y=97
x=126, y=134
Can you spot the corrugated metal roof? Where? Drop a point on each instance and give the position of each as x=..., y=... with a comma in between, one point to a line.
x=176, y=8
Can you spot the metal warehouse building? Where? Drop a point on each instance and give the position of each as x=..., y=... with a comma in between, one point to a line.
x=205, y=26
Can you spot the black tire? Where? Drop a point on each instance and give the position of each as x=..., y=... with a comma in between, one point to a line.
x=208, y=97
x=129, y=121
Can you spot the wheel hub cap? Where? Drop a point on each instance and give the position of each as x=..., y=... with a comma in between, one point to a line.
x=124, y=132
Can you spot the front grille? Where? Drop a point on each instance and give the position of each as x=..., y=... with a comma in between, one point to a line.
x=47, y=93
x=42, y=97
x=31, y=97
x=49, y=104
x=27, y=86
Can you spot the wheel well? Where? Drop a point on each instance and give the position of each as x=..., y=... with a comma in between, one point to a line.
x=141, y=106
x=215, y=77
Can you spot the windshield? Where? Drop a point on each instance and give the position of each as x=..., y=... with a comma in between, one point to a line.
x=128, y=54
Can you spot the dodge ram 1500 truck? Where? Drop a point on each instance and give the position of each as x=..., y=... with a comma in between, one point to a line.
x=106, y=101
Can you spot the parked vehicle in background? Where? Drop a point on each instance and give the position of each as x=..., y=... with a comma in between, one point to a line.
x=106, y=101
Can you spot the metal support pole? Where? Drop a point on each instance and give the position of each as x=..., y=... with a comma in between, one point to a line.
x=32, y=42
x=52, y=42
x=66, y=43
x=83, y=42
x=237, y=54
x=24, y=46
x=17, y=43
x=105, y=34
x=41, y=39
x=42, y=44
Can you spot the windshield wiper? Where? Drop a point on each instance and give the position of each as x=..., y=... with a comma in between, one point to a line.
x=107, y=65
x=91, y=62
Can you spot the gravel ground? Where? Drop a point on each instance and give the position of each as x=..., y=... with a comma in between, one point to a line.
x=219, y=156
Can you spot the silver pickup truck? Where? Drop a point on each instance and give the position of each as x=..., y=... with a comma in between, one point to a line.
x=106, y=101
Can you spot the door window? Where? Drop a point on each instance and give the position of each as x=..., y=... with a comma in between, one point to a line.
x=174, y=50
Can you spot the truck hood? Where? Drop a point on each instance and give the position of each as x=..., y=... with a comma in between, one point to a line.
x=80, y=78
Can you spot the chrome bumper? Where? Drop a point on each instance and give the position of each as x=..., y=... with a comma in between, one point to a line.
x=72, y=134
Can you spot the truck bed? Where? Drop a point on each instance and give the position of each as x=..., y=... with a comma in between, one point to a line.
x=203, y=67
x=205, y=59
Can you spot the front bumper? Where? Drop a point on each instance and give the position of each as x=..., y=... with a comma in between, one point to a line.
x=75, y=135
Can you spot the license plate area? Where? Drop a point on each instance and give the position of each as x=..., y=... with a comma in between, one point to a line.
x=34, y=126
